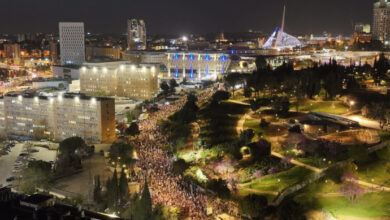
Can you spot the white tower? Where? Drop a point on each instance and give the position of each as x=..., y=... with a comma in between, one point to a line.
x=72, y=43
x=136, y=34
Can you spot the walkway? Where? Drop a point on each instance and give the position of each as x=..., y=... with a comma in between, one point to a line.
x=297, y=163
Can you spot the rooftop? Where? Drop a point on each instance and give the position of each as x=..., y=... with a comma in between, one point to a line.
x=80, y=96
x=36, y=199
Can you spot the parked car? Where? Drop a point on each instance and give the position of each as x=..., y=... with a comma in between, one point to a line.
x=10, y=179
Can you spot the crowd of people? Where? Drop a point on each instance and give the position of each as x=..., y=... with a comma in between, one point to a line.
x=156, y=165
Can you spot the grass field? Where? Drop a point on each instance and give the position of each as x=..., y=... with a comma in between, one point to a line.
x=280, y=180
x=329, y=107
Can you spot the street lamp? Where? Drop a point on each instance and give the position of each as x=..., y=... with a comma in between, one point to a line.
x=351, y=104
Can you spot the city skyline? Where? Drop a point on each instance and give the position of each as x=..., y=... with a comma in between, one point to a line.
x=193, y=17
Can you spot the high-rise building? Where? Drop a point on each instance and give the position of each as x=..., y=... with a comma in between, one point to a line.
x=381, y=21
x=72, y=43
x=54, y=51
x=109, y=52
x=362, y=28
x=120, y=78
x=136, y=34
x=12, y=51
x=21, y=37
x=58, y=118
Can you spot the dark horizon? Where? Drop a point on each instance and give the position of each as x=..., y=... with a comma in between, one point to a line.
x=175, y=17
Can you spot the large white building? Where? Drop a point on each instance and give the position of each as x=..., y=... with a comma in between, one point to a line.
x=381, y=21
x=136, y=34
x=120, y=78
x=72, y=43
x=185, y=64
x=57, y=118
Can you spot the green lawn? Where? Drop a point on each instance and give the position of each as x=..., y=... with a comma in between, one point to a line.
x=330, y=107
x=370, y=205
x=312, y=161
x=279, y=181
x=254, y=125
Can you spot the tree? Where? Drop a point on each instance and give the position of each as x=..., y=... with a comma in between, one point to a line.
x=70, y=145
x=253, y=206
x=133, y=129
x=260, y=150
x=220, y=96
x=112, y=193
x=97, y=191
x=162, y=212
x=172, y=85
x=134, y=114
x=37, y=174
x=360, y=154
x=219, y=186
x=69, y=158
x=121, y=154
x=247, y=92
x=61, y=86
x=188, y=113
x=261, y=62
x=143, y=207
x=121, y=127
x=290, y=210
x=164, y=87
x=246, y=136
x=281, y=105
x=123, y=186
x=263, y=123
x=233, y=79
x=350, y=187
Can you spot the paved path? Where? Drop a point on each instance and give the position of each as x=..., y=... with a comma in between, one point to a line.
x=295, y=162
x=240, y=124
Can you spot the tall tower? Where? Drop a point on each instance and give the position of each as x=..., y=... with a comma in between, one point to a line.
x=381, y=21
x=280, y=33
x=72, y=43
x=136, y=34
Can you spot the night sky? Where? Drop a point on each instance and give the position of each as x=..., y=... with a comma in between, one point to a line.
x=185, y=16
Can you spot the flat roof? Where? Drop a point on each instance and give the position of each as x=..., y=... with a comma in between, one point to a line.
x=65, y=95
x=36, y=199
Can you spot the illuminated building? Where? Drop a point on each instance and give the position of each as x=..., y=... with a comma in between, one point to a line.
x=381, y=21
x=362, y=28
x=12, y=51
x=54, y=51
x=120, y=78
x=58, y=118
x=111, y=52
x=185, y=64
x=136, y=34
x=72, y=43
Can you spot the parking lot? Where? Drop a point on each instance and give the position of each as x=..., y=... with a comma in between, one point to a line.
x=16, y=155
